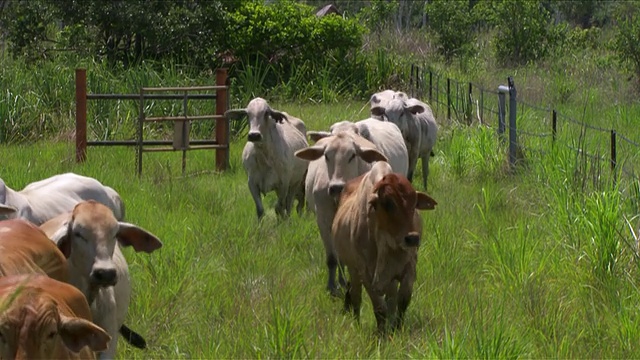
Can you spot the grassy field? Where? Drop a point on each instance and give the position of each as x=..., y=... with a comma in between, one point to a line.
x=524, y=264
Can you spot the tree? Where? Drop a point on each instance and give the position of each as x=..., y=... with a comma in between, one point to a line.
x=452, y=21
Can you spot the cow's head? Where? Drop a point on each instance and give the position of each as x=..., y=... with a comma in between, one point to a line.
x=33, y=324
x=398, y=112
x=261, y=118
x=393, y=204
x=87, y=237
x=343, y=154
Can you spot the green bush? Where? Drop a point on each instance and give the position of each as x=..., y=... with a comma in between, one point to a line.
x=452, y=22
x=287, y=32
x=524, y=30
x=627, y=37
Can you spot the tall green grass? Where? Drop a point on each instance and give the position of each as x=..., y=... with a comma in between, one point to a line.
x=524, y=264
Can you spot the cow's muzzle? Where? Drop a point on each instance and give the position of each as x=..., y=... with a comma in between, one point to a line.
x=412, y=240
x=335, y=189
x=104, y=277
x=254, y=137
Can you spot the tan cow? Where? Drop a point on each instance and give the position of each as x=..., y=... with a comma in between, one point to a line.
x=25, y=249
x=42, y=318
x=376, y=234
x=90, y=237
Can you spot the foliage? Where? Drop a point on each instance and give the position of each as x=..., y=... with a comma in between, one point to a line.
x=524, y=31
x=25, y=25
x=286, y=33
x=452, y=22
x=627, y=39
x=585, y=13
x=378, y=15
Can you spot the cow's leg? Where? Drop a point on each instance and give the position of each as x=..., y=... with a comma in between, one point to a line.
x=379, y=308
x=404, y=295
x=354, y=294
x=391, y=299
x=413, y=161
x=300, y=197
x=425, y=169
x=255, y=194
x=324, y=225
x=103, y=311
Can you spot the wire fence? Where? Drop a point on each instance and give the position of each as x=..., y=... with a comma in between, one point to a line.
x=533, y=129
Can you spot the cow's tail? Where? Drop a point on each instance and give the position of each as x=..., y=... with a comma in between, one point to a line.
x=133, y=337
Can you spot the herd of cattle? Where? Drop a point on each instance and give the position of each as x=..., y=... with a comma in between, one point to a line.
x=64, y=282
x=356, y=178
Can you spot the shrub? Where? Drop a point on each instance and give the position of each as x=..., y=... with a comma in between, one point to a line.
x=452, y=22
x=627, y=38
x=524, y=30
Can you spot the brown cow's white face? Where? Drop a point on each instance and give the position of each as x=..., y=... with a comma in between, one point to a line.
x=31, y=327
x=394, y=203
x=340, y=154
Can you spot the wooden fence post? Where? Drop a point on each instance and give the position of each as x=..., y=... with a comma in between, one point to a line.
x=222, y=131
x=81, y=115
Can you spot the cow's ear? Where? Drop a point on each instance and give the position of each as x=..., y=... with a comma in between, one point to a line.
x=235, y=113
x=317, y=135
x=6, y=210
x=77, y=333
x=310, y=153
x=278, y=116
x=370, y=155
x=62, y=237
x=141, y=240
x=415, y=109
x=377, y=110
x=425, y=202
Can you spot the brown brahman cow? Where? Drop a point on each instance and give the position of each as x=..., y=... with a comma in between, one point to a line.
x=42, y=318
x=376, y=234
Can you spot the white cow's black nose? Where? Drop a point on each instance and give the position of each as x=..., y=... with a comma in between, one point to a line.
x=104, y=277
x=335, y=189
x=254, y=136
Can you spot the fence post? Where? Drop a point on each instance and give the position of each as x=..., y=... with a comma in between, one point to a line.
x=448, y=99
x=411, y=81
x=501, y=110
x=554, y=124
x=481, y=106
x=470, y=105
x=418, y=87
x=430, y=86
x=222, y=132
x=139, y=131
x=513, y=137
x=613, y=152
x=81, y=115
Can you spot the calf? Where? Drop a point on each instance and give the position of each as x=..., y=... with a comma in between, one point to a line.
x=43, y=318
x=90, y=238
x=376, y=234
x=268, y=157
x=42, y=200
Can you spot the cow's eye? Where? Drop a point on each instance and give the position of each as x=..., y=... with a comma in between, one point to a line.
x=78, y=235
x=388, y=205
x=51, y=335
